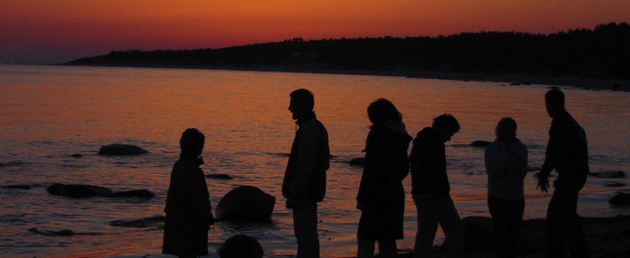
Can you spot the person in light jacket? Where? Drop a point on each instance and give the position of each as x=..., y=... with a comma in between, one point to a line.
x=506, y=165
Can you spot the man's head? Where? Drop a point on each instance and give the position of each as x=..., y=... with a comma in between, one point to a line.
x=554, y=102
x=446, y=125
x=192, y=142
x=302, y=103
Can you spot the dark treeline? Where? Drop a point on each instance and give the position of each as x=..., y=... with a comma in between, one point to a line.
x=601, y=53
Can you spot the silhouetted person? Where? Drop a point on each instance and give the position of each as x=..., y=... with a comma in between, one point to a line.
x=506, y=165
x=188, y=215
x=431, y=189
x=240, y=246
x=304, y=182
x=567, y=153
x=381, y=196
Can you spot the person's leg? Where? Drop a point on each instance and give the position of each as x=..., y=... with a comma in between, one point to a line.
x=555, y=236
x=572, y=225
x=365, y=248
x=387, y=248
x=305, y=227
x=498, y=212
x=451, y=223
x=427, y=227
x=517, y=208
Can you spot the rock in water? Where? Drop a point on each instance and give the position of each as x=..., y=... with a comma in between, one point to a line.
x=220, y=176
x=78, y=191
x=609, y=174
x=245, y=203
x=142, y=193
x=480, y=143
x=241, y=246
x=154, y=221
x=620, y=199
x=121, y=149
x=357, y=162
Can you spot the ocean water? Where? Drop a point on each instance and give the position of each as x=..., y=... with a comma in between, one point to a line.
x=49, y=113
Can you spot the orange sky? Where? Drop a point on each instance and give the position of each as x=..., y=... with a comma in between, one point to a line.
x=36, y=31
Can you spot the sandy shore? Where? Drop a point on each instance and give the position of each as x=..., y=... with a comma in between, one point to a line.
x=605, y=238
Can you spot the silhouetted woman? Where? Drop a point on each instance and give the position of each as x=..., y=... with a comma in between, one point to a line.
x=506, y=165
x=188, y=215
x=381, y=196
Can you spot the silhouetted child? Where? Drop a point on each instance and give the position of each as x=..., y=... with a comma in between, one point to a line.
x=506, y=165
x=188, y=215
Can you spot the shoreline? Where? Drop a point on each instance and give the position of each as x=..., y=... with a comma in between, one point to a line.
x=606, y=237
x=513, y=79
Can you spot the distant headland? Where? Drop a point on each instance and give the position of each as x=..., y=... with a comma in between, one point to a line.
x=597, y=58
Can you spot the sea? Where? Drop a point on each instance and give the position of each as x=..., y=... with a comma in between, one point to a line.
x=54, y=119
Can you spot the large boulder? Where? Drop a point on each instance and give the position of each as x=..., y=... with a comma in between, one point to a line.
x=121, y=149
x=77, y=190
x=245, y=203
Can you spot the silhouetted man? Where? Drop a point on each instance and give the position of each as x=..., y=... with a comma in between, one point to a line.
x=304, y=182
x=431, y=189
x=567, y=153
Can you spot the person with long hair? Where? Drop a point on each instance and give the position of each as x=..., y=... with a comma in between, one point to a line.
x=381, y=196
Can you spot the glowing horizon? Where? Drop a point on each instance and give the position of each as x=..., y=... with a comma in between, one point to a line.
x=36, y=31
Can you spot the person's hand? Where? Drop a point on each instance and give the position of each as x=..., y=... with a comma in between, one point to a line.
x=360, y=205
x=543, y=183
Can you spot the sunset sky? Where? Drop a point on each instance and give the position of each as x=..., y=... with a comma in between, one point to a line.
x=45, y=31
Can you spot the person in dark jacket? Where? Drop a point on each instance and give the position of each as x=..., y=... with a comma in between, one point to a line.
x=431, y=189
x=188, y=210
x=567, y=153
x=304, y=183
x=506, y=165
x=381, y=196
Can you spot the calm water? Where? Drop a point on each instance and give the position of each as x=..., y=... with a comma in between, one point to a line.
x=48, y=113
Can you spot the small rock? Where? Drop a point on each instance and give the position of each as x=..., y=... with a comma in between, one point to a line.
x=357, y=162
x=609, y=174
x=140, y=223
x=219, y=176
x=78, y=191
x=16, y=187
x=143, y=193
x=240, y=246
x=11, y=164
x=480, y=143
x=620, y=199
x=65, y=232
x=121, y=149
x=76, y=155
